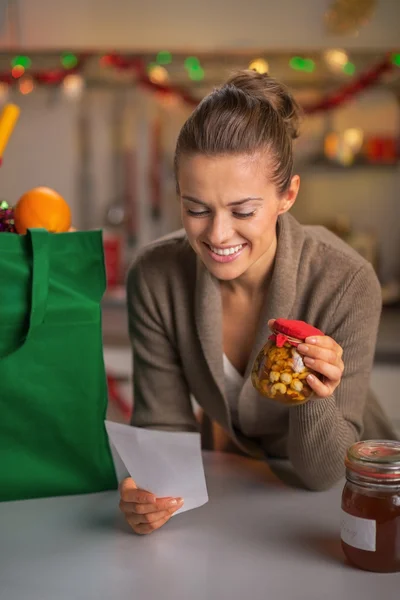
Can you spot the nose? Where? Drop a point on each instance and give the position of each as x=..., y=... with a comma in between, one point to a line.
x=220, y=230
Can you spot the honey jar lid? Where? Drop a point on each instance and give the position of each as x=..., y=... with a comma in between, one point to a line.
x=377, y=459
x=295, y=329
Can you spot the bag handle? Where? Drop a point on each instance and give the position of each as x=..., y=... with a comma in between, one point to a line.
x=39, y=241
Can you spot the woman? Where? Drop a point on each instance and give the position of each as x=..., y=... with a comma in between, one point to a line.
x=201, y=300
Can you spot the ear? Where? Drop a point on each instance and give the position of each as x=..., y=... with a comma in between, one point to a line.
x=290, y=196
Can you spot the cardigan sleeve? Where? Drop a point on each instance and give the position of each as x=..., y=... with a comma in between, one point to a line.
x=161, y=393
x=321, y=430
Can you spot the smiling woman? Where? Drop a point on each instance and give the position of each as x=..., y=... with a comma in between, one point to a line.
x=237, y=222
x=201, y=300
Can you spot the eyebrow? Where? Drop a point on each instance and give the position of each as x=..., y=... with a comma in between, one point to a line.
x=236, y=203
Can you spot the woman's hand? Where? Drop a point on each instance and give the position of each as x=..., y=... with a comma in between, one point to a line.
x=323, y=355
x=144, y=511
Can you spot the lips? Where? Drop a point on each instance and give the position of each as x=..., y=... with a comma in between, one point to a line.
x=225, y=254
x=226, y=251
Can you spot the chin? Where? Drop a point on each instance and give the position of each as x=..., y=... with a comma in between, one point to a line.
x=224, y=272
x=227, y=276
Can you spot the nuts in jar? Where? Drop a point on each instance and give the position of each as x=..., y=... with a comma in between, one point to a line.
x=370, y=525
x=279, y=371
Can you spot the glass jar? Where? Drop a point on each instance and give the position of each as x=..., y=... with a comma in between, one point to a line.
x=279, y=371
x=370, y=524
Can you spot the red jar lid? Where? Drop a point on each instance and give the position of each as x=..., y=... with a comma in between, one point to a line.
x=295, y=329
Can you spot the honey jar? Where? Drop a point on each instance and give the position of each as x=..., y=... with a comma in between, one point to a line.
x=279, y=371
x=370, y=524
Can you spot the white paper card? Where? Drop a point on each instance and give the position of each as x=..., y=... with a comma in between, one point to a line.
x=357, y=532
x=163, y=463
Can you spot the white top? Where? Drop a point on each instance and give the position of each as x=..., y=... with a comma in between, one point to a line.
x=233, y=385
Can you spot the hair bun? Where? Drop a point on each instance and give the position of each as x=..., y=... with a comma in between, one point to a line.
x=250, y=113
x=265, y=88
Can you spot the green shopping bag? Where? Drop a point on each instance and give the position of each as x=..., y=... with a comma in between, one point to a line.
x=53, y=391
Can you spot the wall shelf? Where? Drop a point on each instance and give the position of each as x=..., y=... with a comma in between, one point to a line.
x=323, y=163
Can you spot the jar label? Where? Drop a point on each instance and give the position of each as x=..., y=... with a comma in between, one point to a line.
x=357, y=532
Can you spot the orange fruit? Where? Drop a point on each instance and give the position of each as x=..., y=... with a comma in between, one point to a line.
x=42, y=207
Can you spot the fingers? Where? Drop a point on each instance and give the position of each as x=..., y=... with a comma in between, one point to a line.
x=324, y=356
x=324, y=341
x=332, y=375
x=130, y=493
x=322, y=389
x=148, y=522
x=145, y=528
x=143, y=510
x=331, y=372
x=319, y=353
x=149, y=518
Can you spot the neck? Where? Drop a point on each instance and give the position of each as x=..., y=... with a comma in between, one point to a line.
x=256, y=279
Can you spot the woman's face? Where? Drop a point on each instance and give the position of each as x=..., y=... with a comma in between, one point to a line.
x=229, y=211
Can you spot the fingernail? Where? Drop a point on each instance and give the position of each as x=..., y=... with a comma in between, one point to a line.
x=309, y=361
x=310, y=378
x=303, y=348
x=312, y=340
x=172, y=502
x=180, y=500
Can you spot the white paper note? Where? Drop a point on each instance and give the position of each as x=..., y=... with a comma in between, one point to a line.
x=163, y=463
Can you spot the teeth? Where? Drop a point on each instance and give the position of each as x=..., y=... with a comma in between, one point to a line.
x=226, y=251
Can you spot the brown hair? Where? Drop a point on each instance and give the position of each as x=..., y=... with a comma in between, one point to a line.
x=251, y=112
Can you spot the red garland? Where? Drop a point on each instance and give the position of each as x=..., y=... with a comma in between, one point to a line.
x=347, y=92
x=330, y=101
x=138, y=68
x=45, y=77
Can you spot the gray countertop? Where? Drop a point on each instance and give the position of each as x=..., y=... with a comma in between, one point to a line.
x=256, y=538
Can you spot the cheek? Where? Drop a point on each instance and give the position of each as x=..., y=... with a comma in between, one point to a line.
x=261, y=229
x=193, y=227
x=185, y=219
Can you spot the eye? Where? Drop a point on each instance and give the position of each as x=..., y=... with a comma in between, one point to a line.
x=197, y=213
x=244, y=215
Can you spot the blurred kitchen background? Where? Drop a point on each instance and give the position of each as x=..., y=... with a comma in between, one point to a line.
x=104, y=88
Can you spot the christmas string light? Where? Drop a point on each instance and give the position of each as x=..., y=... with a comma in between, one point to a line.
x=158, y=80
x=20, y=65
x=330, y=101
